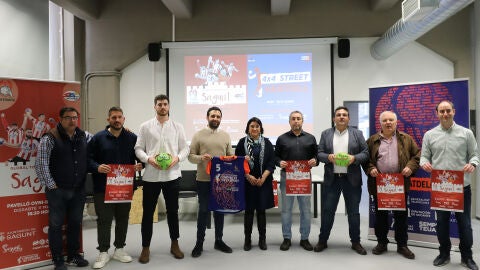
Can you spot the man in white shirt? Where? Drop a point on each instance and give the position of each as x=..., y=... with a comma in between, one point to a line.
x=161, y=135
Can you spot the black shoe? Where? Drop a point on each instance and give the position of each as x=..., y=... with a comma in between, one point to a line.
x=285, y=244
x=358, y=248
x=306, y=245
x=441, y=260
x=220, y=245
x=197, y=250
x=407, y=253
x=248, y=244
x=470, y=264
x=262, y=244
x=321, y=246
x=60, y=266
x=379, y=249
x=77, y=260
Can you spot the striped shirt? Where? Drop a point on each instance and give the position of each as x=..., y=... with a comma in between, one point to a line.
x=39, y=128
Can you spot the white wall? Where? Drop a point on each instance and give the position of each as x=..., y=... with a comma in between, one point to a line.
x=140, y=83
x=24, y=45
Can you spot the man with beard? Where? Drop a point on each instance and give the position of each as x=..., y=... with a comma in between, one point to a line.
x=113, y=145
x=206, y=144
x=295, y=144
x=161, y=135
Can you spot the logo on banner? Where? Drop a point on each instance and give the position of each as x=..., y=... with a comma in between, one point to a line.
x=448, y=183
x=8, y=94
x=41, y=243
x=14, y=249
x=28, y=258
x=389, y=184
x=425, y=226
x=21, y=234
x=299, y=171
x=71, y=95
x=2, y=237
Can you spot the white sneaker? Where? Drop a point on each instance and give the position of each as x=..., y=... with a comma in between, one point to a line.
x=101, y=260
x=121, y=255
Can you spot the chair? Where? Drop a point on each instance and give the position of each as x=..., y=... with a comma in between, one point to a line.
x=89, y=209
x=89, y=188
x=188, y=188
x=188, y=184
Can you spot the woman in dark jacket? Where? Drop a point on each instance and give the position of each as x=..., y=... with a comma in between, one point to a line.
x=258, y=187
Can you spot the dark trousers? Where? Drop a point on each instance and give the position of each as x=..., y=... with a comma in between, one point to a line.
x=69, y=204
x=261, y=223
x=105, y=214
x=203, y=191
x=330, y=199
x=382, y=226
x=151, y=191
x=464, y=222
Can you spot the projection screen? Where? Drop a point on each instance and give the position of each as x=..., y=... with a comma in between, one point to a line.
x=267, y=79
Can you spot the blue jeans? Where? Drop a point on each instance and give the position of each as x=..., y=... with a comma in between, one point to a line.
x=464, y=222
x=203, y=191
x=330, y=198
x=63, y=203
x=304, y=205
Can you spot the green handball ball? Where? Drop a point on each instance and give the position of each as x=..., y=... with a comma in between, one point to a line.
x=163, y=160
x=341, y=159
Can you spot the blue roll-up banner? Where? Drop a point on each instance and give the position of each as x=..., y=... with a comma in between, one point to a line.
x=414, y=104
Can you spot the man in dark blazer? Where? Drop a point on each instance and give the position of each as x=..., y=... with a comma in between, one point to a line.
x=343, y=149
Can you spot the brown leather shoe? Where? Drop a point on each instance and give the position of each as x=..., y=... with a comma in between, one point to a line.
x=145, y=255
x=358, y=248
x=380, y=248
x=175, y=250
x=406, y=252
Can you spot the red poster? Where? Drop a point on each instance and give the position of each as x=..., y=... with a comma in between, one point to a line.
x=298, y=178
x=447, y=190
x=119, y=187
x=275, y=193
x=390, y=191
x=28, y=109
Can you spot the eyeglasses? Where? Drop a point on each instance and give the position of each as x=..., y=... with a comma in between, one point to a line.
x=70, y=118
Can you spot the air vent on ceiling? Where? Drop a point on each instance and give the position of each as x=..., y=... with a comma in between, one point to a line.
x=415, y=10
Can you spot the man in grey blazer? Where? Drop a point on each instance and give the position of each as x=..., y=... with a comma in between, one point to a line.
x=343, y=149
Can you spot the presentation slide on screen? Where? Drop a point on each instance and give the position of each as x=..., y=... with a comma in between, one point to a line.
x=267, y=86
x=267, y=79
